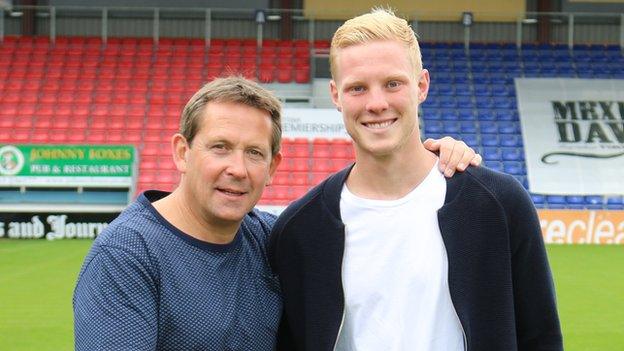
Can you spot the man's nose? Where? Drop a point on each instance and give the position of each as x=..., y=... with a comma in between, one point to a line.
x=376, y=102
x=236, y=166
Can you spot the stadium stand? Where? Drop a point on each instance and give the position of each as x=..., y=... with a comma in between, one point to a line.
x=78, y=90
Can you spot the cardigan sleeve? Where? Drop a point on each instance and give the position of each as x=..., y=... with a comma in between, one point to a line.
x=537, y=321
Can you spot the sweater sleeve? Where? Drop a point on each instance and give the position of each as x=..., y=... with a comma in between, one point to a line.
x=115, y=303
x=537, y=321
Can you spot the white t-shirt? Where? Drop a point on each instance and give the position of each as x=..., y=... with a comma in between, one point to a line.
x=395, y=273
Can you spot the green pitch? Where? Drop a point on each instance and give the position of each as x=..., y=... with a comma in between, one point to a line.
x=37, y=278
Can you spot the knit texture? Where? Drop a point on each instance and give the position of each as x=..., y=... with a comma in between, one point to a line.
x=145, y=285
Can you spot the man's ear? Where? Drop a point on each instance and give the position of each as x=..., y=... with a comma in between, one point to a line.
x=180, y=148
x=275, y=161
x=423, y=85
x=333, y=90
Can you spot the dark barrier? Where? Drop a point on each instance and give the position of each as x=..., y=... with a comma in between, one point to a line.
x=52, y=226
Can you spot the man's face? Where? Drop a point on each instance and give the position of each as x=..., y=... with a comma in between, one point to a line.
x=229, y=162
x=378, y=93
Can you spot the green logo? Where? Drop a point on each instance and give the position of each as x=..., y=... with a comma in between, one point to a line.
x=11, y=160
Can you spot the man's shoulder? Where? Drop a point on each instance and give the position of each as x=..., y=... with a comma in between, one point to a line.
x=481, y=185
x=132, y=230
x=499, y=184
x=259, y=223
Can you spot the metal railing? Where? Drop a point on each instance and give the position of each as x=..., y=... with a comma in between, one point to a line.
x=208, y=23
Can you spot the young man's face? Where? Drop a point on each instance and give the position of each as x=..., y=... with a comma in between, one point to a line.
x=378, y=93
x=229, y=162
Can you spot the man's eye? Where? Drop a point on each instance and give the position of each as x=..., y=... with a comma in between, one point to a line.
x=357, y=89
x=256, y=153
x=394, y=84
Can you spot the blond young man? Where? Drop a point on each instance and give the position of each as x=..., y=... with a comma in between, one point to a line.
x=187, y=270
x=387, y=254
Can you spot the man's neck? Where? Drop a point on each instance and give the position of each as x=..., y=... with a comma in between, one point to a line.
x=175, y=210
x=389, y=177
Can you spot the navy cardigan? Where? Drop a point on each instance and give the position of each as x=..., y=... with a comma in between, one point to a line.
x=499, y=278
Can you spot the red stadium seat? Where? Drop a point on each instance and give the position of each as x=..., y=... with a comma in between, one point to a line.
x=284, y=74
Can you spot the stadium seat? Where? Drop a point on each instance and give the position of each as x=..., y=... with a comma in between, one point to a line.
x=615, y=203
x=594, y=202
x=556, y=201
x=538, y=200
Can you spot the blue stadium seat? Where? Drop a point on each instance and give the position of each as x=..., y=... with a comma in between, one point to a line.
x=439, y=77
x=511, y=140
x=594, y=202
x=502, y=102
x=495, y=165
x=513, y=168
x=484, y=102
x=505, y=127
x=466, y=114
x=556, y=201
x=479, y=68
x=468, y=127
x=447, y=101
x=464, y=101
x=461, y=78
x=463, y=89
x=615, y=203
x=470, y=139
x=566, y=72
x=430, y=112
x=448, y=114
x=489, y=140
x=451, y=127
x=538, y=200
x=433, y=101
x=547, y=65
x=491, y=154
x=446, y=89
x=575, y=201
x=433, y=135
x=500, y=90
x=506, y=114
x=488, y=127
x=512, y=153
x=434, y=127
x=486, y=115
x=482, y=90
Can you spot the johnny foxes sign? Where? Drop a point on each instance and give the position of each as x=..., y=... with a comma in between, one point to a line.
x=573, y=131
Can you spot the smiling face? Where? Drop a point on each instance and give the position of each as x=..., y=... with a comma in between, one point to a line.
x=229, y=162
x=378, y=92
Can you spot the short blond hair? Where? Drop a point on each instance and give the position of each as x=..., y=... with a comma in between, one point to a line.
x=378, y=25
x=232, y=90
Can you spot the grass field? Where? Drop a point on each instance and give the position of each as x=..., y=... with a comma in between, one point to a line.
x=37, y=278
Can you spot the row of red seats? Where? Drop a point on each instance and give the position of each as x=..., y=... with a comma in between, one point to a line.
x=38, y=41
x=143, y=53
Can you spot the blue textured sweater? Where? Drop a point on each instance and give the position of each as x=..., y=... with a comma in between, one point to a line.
x=145, y=285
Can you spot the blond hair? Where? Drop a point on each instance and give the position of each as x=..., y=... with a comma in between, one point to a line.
x=378, y=25
x=233, y=90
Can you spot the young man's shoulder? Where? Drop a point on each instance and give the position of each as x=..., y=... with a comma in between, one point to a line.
x=483, y=189
x=500, y=185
